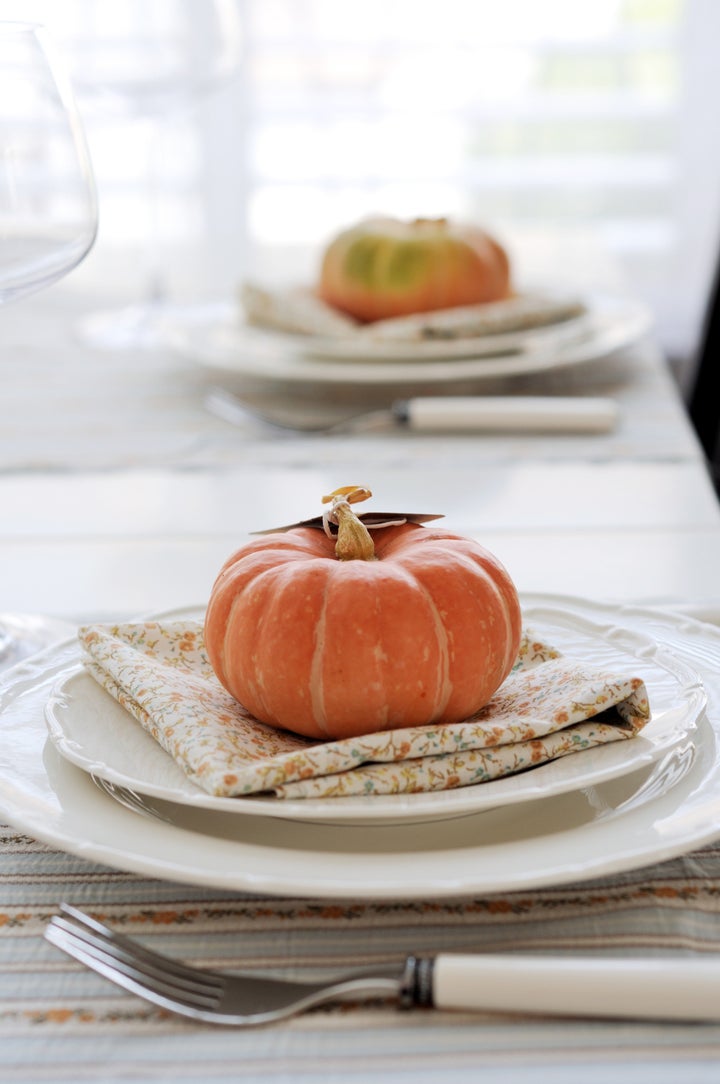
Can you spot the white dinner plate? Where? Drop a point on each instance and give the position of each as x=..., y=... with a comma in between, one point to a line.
x=92, y=730
x=660, y=811
x=216, y=338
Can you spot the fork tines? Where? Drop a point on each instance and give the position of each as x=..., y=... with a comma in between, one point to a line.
x=132, y=966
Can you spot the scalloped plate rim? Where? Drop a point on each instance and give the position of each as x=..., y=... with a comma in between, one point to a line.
x=588, y=768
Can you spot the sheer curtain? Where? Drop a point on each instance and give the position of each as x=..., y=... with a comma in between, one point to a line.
x=561, y=126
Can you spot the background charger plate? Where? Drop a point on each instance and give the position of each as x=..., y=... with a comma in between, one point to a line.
x=651, y=815
x=217, y=338
x=92, y=730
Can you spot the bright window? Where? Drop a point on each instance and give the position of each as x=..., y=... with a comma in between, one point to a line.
x=572, y=122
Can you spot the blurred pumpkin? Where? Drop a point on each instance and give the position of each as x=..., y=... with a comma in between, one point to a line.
x=373, y=629
x=386, y=267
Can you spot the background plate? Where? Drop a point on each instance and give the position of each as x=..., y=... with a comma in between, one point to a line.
x=217, y=339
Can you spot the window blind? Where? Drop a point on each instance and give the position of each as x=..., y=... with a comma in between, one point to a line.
x=546, y=122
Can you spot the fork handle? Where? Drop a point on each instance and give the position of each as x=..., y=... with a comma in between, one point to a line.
x=672, y=989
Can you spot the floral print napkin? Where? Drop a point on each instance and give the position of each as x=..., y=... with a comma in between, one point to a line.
x=548, y=707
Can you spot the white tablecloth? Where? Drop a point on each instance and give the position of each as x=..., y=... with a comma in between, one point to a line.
x=121, y=494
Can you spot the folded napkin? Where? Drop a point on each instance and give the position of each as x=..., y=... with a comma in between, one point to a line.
x=299, y=311
x=549, y=706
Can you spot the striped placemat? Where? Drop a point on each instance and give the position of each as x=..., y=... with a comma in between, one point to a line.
x=60, y=1022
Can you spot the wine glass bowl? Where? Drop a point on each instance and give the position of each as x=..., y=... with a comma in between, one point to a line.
x=160, y=59
x=151, y=67
x=48, y=204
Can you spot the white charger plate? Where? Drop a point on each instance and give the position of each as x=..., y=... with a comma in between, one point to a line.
x=650, y=815
x=90, y=729
x=216, y=338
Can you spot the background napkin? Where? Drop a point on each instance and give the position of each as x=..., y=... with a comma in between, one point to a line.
x=549, y=706
x=300, y=311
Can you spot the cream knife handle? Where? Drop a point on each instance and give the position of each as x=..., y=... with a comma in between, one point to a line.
x=676, y=989
x=519, y=413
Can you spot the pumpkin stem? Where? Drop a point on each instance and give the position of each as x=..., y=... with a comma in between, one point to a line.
x=354, y=542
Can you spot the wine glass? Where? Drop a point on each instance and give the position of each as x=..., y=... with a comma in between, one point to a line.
x=48, y=205
x=151, y=67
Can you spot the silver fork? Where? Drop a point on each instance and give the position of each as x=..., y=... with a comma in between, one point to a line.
x=682, y=988
x=138, y=803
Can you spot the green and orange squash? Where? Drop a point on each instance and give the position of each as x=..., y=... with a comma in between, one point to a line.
x=388, y=267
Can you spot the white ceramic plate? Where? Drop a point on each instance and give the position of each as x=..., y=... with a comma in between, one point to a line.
x=653, y=814
x=217, y=339
x=90, y=729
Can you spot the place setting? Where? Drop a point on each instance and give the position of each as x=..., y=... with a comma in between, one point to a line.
x=591, y=751
x=330, y=339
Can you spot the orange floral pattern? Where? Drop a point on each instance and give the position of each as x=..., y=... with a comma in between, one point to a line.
x=550, y=706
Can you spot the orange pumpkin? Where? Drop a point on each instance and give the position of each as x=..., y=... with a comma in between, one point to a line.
x=386, y=267
x=374, y=629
